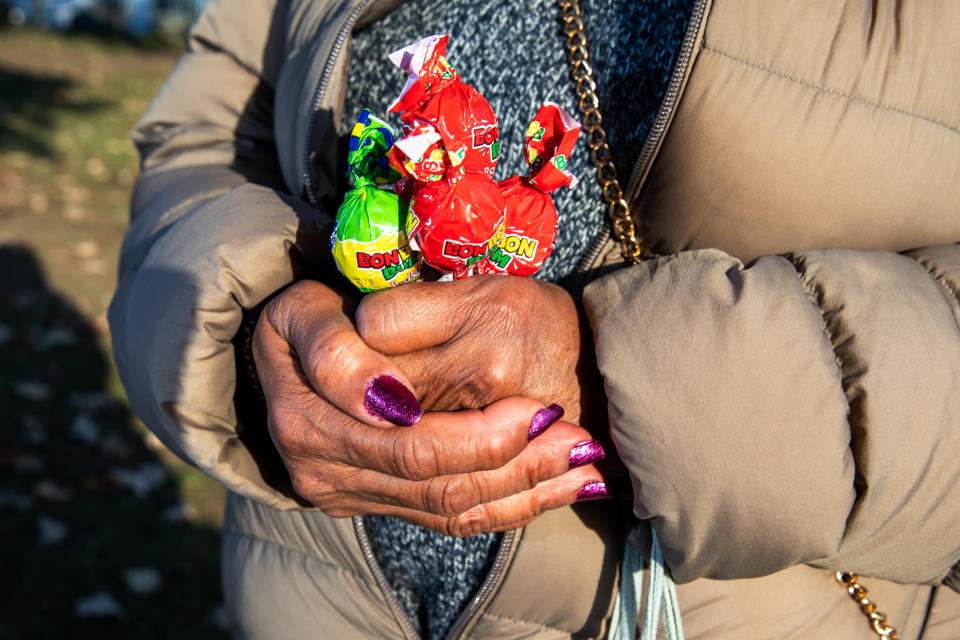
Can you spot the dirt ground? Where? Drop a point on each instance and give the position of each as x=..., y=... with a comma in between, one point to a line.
x=67, y=105
x=105, y=533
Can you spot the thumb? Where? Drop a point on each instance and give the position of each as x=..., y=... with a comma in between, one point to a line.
x=418, y=315
x=305, y=336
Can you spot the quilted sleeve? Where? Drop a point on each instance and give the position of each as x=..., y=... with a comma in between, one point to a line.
x=213, y=232
x=798, y=409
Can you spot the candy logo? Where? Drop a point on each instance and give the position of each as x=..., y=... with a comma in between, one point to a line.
x=390, y=263
x=561, y=162
x=413, y=223
x=446, y=71
x=535, y=160
x=453, y=249
x=535, y=131
x=487, y=136
x=408, y=263
x=519, y=245
x=513, y=246
x=378, y=260
x=411, y=277
x=432, y=164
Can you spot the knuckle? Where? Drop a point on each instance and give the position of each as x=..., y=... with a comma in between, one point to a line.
x=274, y=310
x=305, y=486
x=500, y=448
x=514, y=299
x=292, y=434
x=282, y=429
x=469, y=523
x=497, y=372
x=374, y=319
x=281, y=307
x=451, y=496
x=316, y=490
x=489, y=379
x=331, y=355
x=532, y=471
x=262, y=323
x=416, y=459
x=300, y=292
x=270, y=318
x=534, y=509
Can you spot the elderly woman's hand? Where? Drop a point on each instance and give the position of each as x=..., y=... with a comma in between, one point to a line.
x=333, y=403
x=468, y=343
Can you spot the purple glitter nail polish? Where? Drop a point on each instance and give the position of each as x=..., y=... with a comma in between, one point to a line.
x=586, y=452
x=387, y=398
x=543, y=419
x=593, y=491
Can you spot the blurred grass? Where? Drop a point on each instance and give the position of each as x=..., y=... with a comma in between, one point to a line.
x=67, y=106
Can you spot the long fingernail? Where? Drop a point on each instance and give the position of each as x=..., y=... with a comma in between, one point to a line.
x=586, y=452
x=543, y=419
x=388, y=398
x=594, y=490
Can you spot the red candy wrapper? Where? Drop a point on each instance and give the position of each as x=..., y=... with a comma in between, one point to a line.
x=550, y=140
x=420, y=155
x=434, y=94
x=450, y=151
x=530, y=225
x=456, y=224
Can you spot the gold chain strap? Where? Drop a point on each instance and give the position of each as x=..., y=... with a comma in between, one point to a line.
x=878, y=621
x=625, y=229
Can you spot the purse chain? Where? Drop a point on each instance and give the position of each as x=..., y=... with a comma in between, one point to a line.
x=627, y=230
x=878, y=621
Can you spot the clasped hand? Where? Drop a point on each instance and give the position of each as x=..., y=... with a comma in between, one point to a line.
x=491, y=359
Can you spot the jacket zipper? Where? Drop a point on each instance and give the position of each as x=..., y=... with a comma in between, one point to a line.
x=652, y=143
x=382, y=582
x=358, y=526
x=465, y=621
x=318, y=95
x=508, y=543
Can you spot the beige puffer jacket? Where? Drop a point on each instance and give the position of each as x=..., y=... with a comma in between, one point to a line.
x=783, y=387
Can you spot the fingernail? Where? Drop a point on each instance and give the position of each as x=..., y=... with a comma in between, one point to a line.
x=593, y=491
x=586, y=452
x=388, y=398
x=543, y=419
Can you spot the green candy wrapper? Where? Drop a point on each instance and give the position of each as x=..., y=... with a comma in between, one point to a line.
x=369, y=241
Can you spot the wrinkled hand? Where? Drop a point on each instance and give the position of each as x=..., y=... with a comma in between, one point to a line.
x=471, y=342
x=332, y=404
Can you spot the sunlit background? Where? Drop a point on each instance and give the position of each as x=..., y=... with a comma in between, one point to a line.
x=103, y=534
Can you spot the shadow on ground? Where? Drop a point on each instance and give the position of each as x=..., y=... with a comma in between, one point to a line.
x=96, y=539
x=28, y=102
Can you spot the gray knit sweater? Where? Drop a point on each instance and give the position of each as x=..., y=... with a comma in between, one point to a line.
x=513, y=53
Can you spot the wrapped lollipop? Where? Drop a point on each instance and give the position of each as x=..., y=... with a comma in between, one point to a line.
x=450, y=152
x=369, y=240
x=530, y=225
x=456, y=220
x=434, y=94
x=455, y=223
